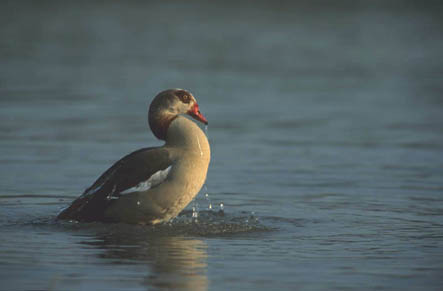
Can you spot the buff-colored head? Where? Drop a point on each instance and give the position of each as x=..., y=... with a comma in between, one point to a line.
x=167, y=105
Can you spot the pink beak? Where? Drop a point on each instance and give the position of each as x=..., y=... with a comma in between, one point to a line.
x=195, y=113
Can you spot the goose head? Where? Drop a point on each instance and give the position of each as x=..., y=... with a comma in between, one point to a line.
x=167, y=105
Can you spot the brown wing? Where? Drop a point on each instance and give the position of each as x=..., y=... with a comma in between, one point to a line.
x=128, y=172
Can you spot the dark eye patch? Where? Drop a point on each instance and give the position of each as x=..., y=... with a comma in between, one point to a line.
x=183, y=96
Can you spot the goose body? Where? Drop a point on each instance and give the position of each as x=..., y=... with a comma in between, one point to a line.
x=152, y=185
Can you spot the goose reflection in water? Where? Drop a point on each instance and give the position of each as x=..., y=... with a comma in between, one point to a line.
x=174, y=262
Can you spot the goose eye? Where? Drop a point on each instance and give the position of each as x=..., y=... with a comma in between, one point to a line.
x=184, y=97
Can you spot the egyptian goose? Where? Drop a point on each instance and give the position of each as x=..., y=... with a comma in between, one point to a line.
x=152, y=185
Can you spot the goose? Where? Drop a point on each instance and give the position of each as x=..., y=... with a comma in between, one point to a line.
x=152, y=185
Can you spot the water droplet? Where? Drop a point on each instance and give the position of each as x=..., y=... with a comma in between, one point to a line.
x=138, y=202
x=194, y=212
x=207, y=198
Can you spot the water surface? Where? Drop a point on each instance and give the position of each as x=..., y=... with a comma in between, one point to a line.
x=326, y=127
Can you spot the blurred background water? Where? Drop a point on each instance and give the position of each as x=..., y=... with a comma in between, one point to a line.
x=326, y=127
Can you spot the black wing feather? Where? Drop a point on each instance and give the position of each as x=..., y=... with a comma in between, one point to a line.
x=128, y=172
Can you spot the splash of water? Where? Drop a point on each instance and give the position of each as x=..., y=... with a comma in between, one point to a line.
x=194, y=216
x=194, y=212
x=209, y=203
x=208, y=200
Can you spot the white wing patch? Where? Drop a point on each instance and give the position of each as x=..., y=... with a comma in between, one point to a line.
x=156, y=179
